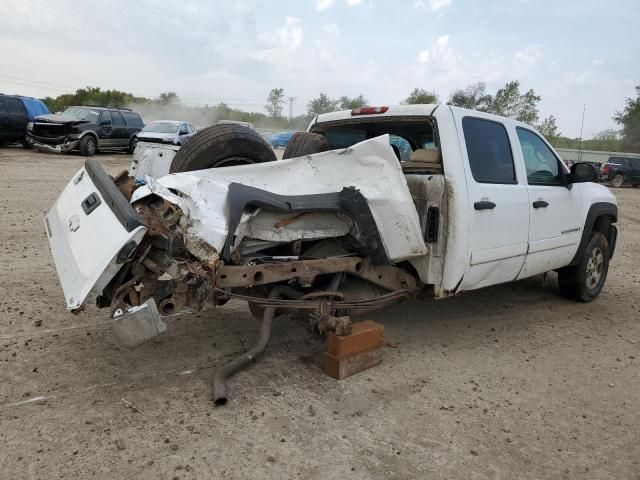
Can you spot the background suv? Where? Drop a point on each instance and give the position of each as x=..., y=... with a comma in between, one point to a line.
x=15, y=114
x=87, y=129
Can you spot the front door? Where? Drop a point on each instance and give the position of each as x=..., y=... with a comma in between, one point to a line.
x=555, y=209
x=105, y=130
x=498, y=205
x=635, y=171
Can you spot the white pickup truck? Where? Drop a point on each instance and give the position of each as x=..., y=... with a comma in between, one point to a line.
x=375, y=205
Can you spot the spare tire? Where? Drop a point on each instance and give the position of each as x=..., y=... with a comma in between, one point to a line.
x=305, y=143
x=222, y=146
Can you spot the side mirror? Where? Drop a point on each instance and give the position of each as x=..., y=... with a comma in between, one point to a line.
x=583, y=172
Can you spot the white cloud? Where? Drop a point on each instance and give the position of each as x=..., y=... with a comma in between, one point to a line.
x=291, y=33
x=353, y=3
x=434, y=5
x=332, y=30
x=528, y=57
x=423, y=56
x=324, y=4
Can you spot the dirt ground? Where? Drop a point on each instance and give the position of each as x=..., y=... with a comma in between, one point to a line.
x=508, y=382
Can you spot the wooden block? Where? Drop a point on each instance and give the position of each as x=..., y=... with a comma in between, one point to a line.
x=343, y=368
x=364, y=336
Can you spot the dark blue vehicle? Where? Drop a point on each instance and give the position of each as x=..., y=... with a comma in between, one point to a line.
x=280, y=140
x=15, y=113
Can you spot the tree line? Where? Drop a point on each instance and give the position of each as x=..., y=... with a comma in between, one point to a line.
x=508, y=101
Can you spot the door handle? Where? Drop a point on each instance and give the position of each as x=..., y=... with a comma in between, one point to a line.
x=540, y=204
x=484, y=205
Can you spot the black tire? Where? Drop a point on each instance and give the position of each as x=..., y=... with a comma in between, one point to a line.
x=305, y=143
x=585, y=281
x=636, y=185
x=617, y=181
x=26, y=144
x=88, y=146
x=132, y=145
x=222, y=146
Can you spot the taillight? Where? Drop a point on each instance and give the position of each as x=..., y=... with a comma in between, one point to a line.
x=605, y=169
x=368, y=110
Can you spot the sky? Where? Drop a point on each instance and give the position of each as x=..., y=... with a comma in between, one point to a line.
x=570, y=52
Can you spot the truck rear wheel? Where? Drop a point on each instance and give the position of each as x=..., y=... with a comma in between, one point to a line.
x=585, y=281
x=617, y=181
x=305, y=143
x=222, y=145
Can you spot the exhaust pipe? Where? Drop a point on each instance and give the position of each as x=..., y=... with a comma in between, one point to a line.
x=220, y=379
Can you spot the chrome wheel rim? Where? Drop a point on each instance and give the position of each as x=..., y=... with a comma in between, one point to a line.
x=595, y=268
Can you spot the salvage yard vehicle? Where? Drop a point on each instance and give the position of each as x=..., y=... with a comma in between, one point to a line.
x=166, y=131
x=621, y=171
x=87, y=129
x=339, y=227
x=16, y=112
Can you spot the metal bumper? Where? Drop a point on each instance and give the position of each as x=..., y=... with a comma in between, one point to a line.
x=60, y=148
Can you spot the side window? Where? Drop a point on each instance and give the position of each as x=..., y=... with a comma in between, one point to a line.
x=183, y=129
x=14, y=106
x=3, y=105
x=635, y=163
x=402, y=145
x=191, y=128
x=116, y=119
x=133, y=120
x=105, y=117
x=489, y=151
x=541, y=164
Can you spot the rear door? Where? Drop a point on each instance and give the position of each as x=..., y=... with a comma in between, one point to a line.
x=15, y=118
x=555, y=210
x=498, y=202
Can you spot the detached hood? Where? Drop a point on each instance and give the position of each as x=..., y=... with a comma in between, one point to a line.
x=56, y=118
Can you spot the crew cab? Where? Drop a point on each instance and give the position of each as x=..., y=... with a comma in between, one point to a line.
x=87, y=129
x=622, y=171
x=343, y=224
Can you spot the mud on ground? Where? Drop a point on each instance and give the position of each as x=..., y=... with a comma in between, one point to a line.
x=508, y=382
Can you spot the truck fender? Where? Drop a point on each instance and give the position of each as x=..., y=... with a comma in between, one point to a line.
x=600, y=217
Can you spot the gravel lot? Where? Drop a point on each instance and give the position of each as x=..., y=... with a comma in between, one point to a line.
x=508, y=382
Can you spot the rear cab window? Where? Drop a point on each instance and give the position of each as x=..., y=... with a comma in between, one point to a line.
x=405, y=134
x=489, y=151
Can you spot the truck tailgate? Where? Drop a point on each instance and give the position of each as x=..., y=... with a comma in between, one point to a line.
x=92, y=231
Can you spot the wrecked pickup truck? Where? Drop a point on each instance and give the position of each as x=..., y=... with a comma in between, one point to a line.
x=345, y=223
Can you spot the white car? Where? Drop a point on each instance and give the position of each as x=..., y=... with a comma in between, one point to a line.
x=166, y=131
x=344, y=223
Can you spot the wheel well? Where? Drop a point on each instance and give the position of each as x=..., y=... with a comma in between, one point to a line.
x=90, y=134
x=602, y=224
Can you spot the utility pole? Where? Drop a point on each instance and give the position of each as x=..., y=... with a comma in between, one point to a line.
x=291, y=100
x=584, y=107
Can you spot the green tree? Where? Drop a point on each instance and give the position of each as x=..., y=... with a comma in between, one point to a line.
x=629, y=118
x=169, y=98
x=474, y=97
x=509, y=102
x=420, y=95
x=321, y=104
x=275, y=102
x=549, y=128
x=347, y=103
